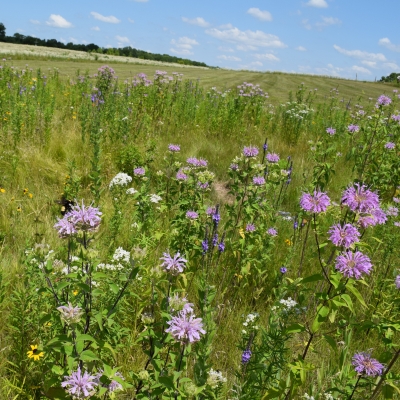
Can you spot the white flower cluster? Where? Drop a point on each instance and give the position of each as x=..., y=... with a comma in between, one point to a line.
x=250, y=322
x=215, y=378
x=110, y=267
x=328, y=396
x=121, y=255
x=155, y=198
x=131, y=191
x=72, y=269
x=289, y=303
x=121, y=179
x=308, y=397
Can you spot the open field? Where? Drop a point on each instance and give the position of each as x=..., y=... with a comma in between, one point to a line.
x=256, y=258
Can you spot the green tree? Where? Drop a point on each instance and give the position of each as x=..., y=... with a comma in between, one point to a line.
x=2, y=31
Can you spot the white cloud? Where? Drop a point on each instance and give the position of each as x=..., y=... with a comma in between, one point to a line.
x=122, y=40
x=301, y=48
x=131, y=20
x=73, y=40
x=226, y=26
x=58, y=21
x=226, y=49
x=361, y=54
x=252, y=66
x=328, y=21
x=95, y=28
x=110, y=19
x=261, y=15
x=371, y=64
x=392, y=66
x=361, y=70
x=34, y=21
x=183, y=45
x=329, y=70
x=229, y=58
x=246, y=40
x=389, y=45
x=198, y=21
x=317, y=3
x=306, y=24
x=267, y=56
x=141, y=1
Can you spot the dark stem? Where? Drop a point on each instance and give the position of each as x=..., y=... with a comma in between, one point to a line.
x=355, y=387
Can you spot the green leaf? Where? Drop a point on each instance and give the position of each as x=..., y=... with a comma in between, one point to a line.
x=320, y=318
x=85, y=337
x=88, y=355
x=357, y=294
x=313, y=278
x=114, y=288
x=167, y=382
x=295, y=328
x=331, y=341
x=62, y=285
x=348, y=301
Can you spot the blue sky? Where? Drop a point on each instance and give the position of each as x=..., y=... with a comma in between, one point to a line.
x=328, y=37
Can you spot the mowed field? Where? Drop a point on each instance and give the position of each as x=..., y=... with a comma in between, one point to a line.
x=276, y=84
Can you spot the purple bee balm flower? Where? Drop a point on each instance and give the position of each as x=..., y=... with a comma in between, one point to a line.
x=185, y=327
x=84, y=218
x=192, y=215
x=374, y=217
x=272, y=157
x=192, y=161
x=397, y=281
x=316, y=203
x=203, y=186
x=272, y=232
x=283, y=270
x=360, y=199
x=246, y=355
x=396, y=200
x=250, y=151
x=250, y=228
x=175, y=264
x=65, y=227
x=364, y=364
x=344, y=235
x=353, y=128
x=331, y=131
x=396, y=117
x=384, y=100
x=202, y=163
x=392, y=211
x=78, y=385
x=234, y=167
x=114, y=385
x=181, y=176
x=396, y=224
x=140, y=171
x=174, y=148
x=390, y=145
x=353, y=265
x=259, y=180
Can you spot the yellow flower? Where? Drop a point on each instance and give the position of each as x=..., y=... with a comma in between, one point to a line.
x=288, y=242
x=75, y=292
x=241, y=232
x=30, y=195
x=2, y=190
x=34, y=352
x=19, y=209
x=26, y=190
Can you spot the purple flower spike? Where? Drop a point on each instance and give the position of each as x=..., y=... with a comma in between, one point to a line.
x=185, y=327
x=250, y=151
x=353, y=265
x=221, y=247
x=78, y=385
x=364, y=364
x=246, y=356
x=175, y=264
x=344, y=235
x=316, y=203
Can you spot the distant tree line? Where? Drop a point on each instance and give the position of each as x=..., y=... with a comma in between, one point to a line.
x=93, y=48
x=393, y=77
